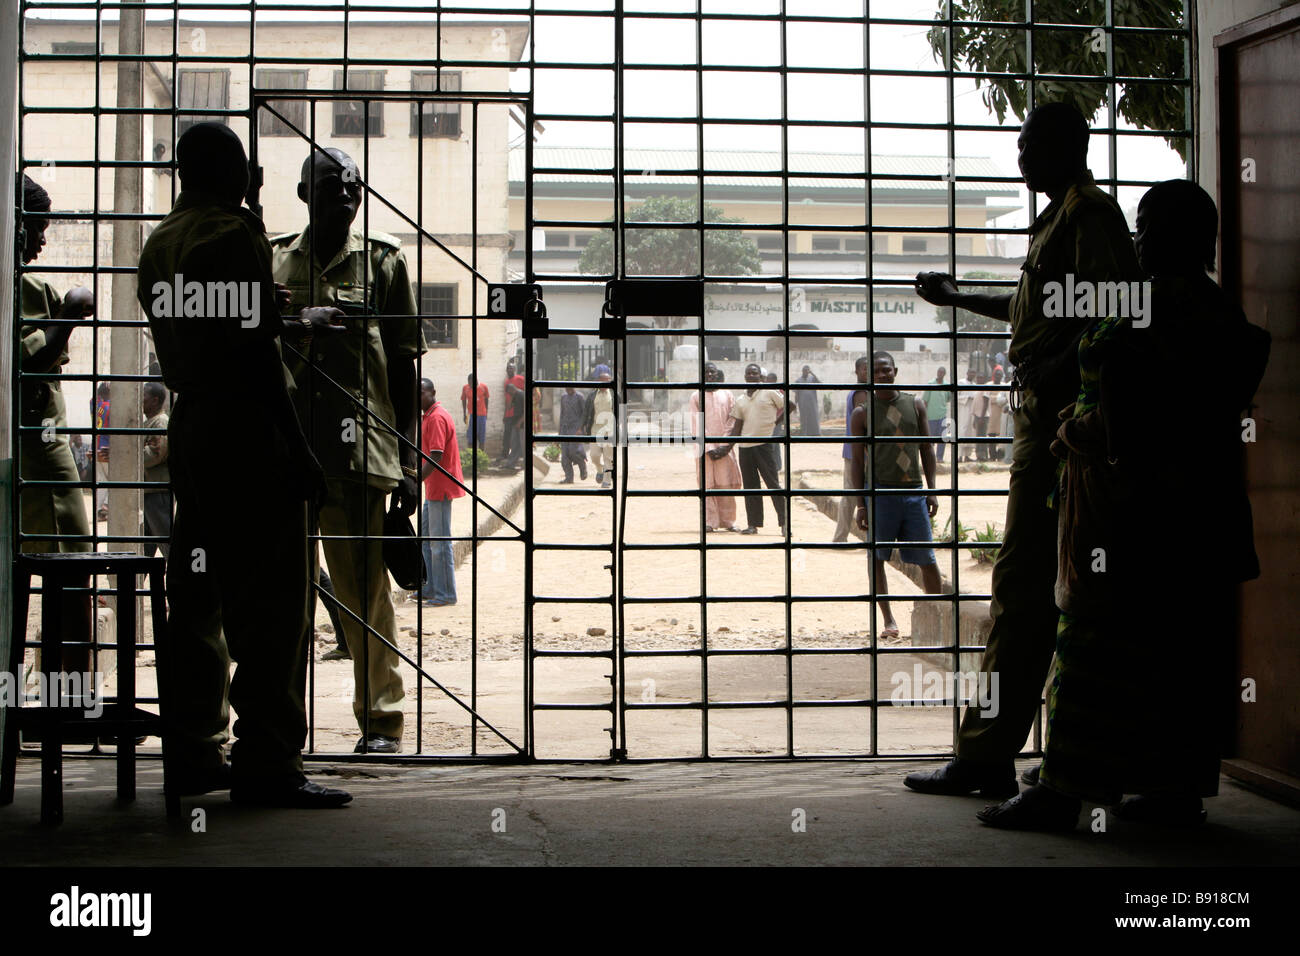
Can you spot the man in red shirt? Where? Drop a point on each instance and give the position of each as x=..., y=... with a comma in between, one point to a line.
x=516, y=410
x=438, y=441
x=478, y=427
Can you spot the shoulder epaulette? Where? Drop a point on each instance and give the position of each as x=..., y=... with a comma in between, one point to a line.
x=283, y=238
x=1080, y=197
x=384, y=239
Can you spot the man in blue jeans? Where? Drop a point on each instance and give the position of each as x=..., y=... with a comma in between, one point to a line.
x=936, y=409
x=894, y=464
x=438, y=441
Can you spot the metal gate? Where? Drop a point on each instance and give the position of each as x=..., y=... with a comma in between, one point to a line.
x=559, y=654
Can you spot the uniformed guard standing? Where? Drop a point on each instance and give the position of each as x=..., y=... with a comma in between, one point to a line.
x=239, y=560
x=46, y=455
x=1081, y=234
x=366, y=277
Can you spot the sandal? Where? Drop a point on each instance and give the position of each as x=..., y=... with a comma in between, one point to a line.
x=889, y=631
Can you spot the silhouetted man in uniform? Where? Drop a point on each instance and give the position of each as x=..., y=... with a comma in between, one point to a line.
x=373, y=359
x=239, y=548
x=1082, y=234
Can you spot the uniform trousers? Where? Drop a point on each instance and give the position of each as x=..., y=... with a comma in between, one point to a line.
x=237, y=590
x=352, y=510
x=1023, y=606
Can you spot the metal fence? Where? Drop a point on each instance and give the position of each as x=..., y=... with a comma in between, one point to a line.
x=591, y=699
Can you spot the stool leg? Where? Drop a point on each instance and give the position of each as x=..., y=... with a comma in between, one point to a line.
x=126, y=683
x=9, y=745
x=52, y=706
x=158, y=608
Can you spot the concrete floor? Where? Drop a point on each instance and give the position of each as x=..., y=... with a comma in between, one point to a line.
x=856, y=813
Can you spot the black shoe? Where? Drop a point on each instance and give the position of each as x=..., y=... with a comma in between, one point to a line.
x=192, y=783
x=1168, y=811
x=750, y=530
x=959, y=777
x=295, y=792
x=378, y=744
x=1038, y=808
x=1030, y=777
x=336, y=654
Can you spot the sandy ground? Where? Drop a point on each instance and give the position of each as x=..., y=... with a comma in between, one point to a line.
x=475, y=648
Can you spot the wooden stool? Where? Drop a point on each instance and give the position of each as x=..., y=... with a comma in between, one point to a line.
x=53, y=723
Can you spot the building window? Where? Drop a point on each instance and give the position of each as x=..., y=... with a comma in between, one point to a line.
x=768, y=241
x=837, y=243
x=350, y=115
x=435, y=118
x=201, y=89
x=75, y=48
x=580, y=239
x=295, y=111
x=439, y=298
x=916, y=245
x=965, y=245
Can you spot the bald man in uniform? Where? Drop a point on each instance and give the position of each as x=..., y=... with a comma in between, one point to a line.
x=332, y=264
x=1082, y=233
x=239, y=561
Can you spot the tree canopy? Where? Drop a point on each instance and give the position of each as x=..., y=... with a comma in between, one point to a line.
x=968, y=321
x=673, y=252
x=1073, y=52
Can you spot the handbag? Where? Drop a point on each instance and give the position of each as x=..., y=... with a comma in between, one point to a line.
x=403, y=555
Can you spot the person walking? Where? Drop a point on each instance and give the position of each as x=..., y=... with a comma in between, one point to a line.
x=474, y=401
x=895, y=465
x=599, y=422
x=573, y=412
x=710, y=472
x=853, y=398
x=513, y=442
x=157, y=504
x=442, y=485
x=754, y=416
x=809, y=401
x=936, y=411
x=997, y=415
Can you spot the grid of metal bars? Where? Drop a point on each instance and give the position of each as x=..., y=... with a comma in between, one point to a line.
x=621, y=16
